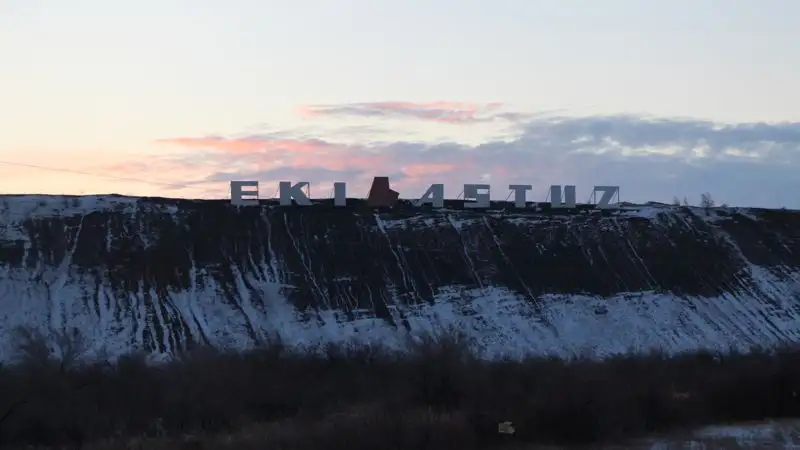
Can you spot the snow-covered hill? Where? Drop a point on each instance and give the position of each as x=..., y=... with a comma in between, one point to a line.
x=151, y=273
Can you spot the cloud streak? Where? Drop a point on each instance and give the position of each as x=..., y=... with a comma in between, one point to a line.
x=458, y=113
x=649, y=158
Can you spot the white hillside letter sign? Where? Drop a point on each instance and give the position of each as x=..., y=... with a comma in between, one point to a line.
x=340, y=194
x=238, y=193
x=608, y=194
x=569, y=200
x=433, y=196
x=477, y=195
x=289, y=192
x=520, y=194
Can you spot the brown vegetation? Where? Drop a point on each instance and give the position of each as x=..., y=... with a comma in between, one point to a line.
x=437, y=396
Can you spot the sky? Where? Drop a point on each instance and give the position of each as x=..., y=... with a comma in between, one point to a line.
x=176, y=98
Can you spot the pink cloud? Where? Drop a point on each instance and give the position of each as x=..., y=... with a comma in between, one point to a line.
x=249, y=144
x=422, y=170
x=585, y=151
x=264, y=153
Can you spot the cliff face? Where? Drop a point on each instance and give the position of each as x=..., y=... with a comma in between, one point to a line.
x=158, y=274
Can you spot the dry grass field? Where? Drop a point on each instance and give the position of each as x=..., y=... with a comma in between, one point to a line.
x=437, y=396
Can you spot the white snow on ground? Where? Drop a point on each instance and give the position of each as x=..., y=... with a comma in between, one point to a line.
x=499, y=321
x=772, y=434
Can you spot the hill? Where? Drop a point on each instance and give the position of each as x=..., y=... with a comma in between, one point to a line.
x=161, y=274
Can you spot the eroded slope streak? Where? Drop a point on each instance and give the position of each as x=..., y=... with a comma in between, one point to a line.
x=162, y=273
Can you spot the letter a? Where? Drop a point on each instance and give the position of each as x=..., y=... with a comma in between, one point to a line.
x=433, y=196
x=380, y=194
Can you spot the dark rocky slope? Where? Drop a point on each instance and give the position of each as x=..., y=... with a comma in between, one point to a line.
x=160, y=274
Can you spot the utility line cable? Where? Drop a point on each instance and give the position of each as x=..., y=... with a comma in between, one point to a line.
x=77, y=172
x=89, y=174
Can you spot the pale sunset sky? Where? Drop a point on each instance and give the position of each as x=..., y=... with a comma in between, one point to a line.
x=667, y=98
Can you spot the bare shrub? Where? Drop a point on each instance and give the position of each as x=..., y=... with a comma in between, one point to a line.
x=66, y=348
x=31, y=346
x=706, y=201
x=70, y=347
x=439, y=395
x=440, y=369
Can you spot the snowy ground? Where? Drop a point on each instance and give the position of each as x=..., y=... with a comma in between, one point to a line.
x=498, y=321
x=783, y=434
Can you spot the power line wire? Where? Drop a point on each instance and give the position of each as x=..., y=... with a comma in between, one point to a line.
x=136, y=180
x=77, y=172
